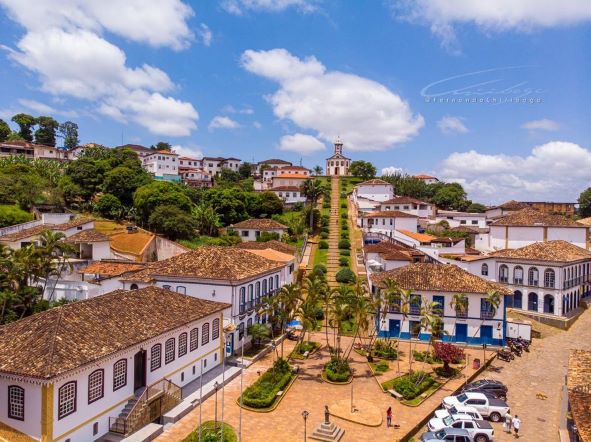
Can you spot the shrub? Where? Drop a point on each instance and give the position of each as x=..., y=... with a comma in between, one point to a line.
x=385, y=349
x=264, y=391
x=320, y=268
x=324, y=235
x=344, y=244
x=344, y=252
x=343, y=262
x=344, y=216
x=345, y=276
x=344, y=205
x=441, y=371
x=268, y=236
x=344, y=226
x=382, y=367
x=326, y=205
x=109, y=206
x=337, y=370
x=448, y=353
x=343, y=195
x=345, y=235
x=211, y=433
x=319, y=313
x=410, y=387
x=323, y=244
x=11, y=215
x=425, y=356
x=324, y=230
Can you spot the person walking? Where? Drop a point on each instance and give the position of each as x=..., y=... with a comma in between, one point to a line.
x=389, y=417
x=516, y=424
x=508, y=423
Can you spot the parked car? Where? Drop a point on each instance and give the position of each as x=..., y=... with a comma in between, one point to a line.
x=488, y=386
x=489, y=407
x=436, y=423
x=458, y=409
x=480, y=430
x=448, y=434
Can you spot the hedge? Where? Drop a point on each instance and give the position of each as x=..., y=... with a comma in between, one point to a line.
x=345, y=235
x=344, y=252
x=319, y=268
x=323, y=244
x=344, y=244
x=344, y=216
x=337, y=370
x=407, y=385
x=324, y=235
x=345, y=276
x=343, y=262
x=264, y=391
x=343, y=205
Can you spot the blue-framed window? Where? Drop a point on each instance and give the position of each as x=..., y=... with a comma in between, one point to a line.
x=415, y=304
x=487, y=310
x=440, y=300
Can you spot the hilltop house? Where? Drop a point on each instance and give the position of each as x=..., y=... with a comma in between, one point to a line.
x=338, y=164
x=251, y=229
x=32, y=151
x=273, y=163
x=66, y=376
x=387, y=222
x=369, y=194
x=409, y=205
x=214, y=165
x=162, y=165
x=427, y=179
x=289, y=194
x=477, y=323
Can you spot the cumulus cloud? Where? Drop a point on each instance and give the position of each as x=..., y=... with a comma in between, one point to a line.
x=557, y=170
x=301, y=143
x=443, y=16
x=392, y=170
x=221, y=122
x=64, y=46
x=188, y=150
x=366, y=114
x=543, y=124
x=205, y=34
x=448, y=125
x=238, y=7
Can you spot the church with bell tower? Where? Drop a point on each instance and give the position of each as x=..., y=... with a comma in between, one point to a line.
x=338, y=164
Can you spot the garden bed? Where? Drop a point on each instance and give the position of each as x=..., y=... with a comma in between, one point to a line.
x=412, y=394
x=306, y=346
x=209, y=433
x=337, y=372
x=263, y=395
x=379, y=368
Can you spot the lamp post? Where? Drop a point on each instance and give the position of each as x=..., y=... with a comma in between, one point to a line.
x=484, y=352
x=241, y=383
x=215, y=387
x=223, y=380
x=352, y=406
x=200, y=396
x=305, y=415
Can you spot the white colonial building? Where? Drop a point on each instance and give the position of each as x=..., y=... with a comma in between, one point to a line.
x=214, y=165
x=251, y=229
x=369, y=194
x=338, y=164
x=410, y=205
x=77, y=372
x=273, y=163
x=387, y=222
x=162, y=165
x=289, y=194
x=457, y=219
x=476, y=323
x=386, y=255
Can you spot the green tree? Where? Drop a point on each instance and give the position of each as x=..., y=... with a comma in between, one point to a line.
x=229, y=204
x=4, y=130
x=227, y=176
x=245, y=170
x=172, y=222
x=450, y=196
x=265, y=204
x=109, y=206
x=258, y=332
x=25, y=123
x=362, y=169
x=317, y=170
x=71, y=192
x=45, y=133
x=476, y=208
x=11, y=215
x=206, y=218
x=161, y=145
x=20, y=184
x=68, y=130
x=313, y=189
x=585, y=203
x=159, y=193
x=123, y=182
x=87, y=174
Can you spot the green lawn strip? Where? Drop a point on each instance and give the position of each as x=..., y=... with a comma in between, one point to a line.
x=276, y=402
x=321, y=256
x=377, y=368
x=421, y=394
x=210, y=433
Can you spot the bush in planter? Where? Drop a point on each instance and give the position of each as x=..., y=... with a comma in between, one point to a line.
x=344, y=225
x=450, y=372
x=344, y=244
x=345, y=235
x=343, y=262
x=344, y=252
x=345, y=276
x=263, y=392
x=324, y=235
x=324, y=230
x=323, y=244
x=337, y=370
x=320, y=268
x=326, y=205
x=344, y=205
x=385, y=349
x=410, y=387
x=344, y=216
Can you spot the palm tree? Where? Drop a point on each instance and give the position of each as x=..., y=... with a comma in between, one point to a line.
x=54, y=246
x=317, y=170
x=312, y=190
x=459, y=303
x=404, y=297
x=492, y=302
x=430, y=312
x=208, y=221
x=339, y=312
x=326, y=296
x=288, y=298
x=362, y=309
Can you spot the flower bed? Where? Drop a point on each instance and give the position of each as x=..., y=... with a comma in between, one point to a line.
x=379, y=368
x=337, y=371
x=306, y=346
x=263, y=393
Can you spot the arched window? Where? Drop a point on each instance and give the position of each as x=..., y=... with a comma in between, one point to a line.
x=518, y=275
x=532, y=302
x=276, y=281
x=119, y=374
x=205, y=333
x=16, y=402
x=215, y=328
x=270, y=284
x=169, y=350
x=194, y=339
x=155, y=357
x=242, y=306
x=484, y=270
x=66, y=399
x=549, y=304
x=517, y=299
x=248, y=325
x=182, y=344
x=133, y=287
x=96, y=385
x=503, y=273
x=533, y=276
x=258, y=292
x=549, y=278
x=166, y=286
x=264, y=286
x=181, y=289
x=250, y=293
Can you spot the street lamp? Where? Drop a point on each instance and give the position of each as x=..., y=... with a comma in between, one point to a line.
x=305, y=415
x=216, y=386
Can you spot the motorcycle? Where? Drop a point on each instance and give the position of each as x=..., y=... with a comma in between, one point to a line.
x=504, y=355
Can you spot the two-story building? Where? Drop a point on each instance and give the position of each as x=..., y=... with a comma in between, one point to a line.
x=457, y=219
x=32, y=151
x=386, y=255
x=289, y=194
x=368, y=195
x=77, y=372
x=474, y=322
x=409, y=205
x=427, y=179
x=387, y=222
x=251, y=229
x=214, y=165
x=162, y=165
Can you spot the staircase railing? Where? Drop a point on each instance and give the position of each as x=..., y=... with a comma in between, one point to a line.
x=156, y=400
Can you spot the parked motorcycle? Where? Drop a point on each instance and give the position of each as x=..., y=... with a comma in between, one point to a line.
x=505, y=355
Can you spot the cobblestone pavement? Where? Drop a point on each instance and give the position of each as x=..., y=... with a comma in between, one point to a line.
x=542, y=370
x=333, y=235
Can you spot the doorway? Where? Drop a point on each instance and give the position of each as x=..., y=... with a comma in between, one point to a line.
x=461, y=332
x=393, y=328
x=139, y=370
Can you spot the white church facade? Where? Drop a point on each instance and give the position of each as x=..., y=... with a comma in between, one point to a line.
x=338, y=164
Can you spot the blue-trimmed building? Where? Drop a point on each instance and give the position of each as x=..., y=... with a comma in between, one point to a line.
x=476, y=324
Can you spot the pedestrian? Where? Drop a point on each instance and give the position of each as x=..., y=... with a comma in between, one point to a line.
x=508, y=423
x=516, y=424
x=389, y=417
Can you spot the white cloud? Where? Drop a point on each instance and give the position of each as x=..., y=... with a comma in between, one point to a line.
x=44, y=109
x=238, y=7
x=189, y=150
x=257, y=125
x=366, y=114
x=205, y=34
x=543, y=124
x=556, y=170
x=229, y=109
x=448, y=125
x=301, y=143
x=64, y=46
x=442, y=16
x=392, y=170
x=221, y=122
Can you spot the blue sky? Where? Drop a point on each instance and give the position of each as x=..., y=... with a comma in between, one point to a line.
x=248, y=78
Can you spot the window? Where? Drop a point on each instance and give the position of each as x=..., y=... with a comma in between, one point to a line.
x=95, y=429
x=248, y=325
x=440, y=300
x=270, y=284
x=276, y=281
x=133, y=287
x=194, y=339
x=244, y=232
x=182, y=344
x=96, y=385
x=181, y=289
x=215, y=329
x=463, y=221
x=487, y=310
x=517, y=299
x=156, y=357
x=549, y=278
x=119, y=374
x=66, y=399
x=169, y=351
x=484, y=270
x=503, y=273
x=264, y=286
x=258, y=292
x=205, y=333
x=518, y=275
x=16, y=402
x=242, y=306
x=533, y=276
x=415, y=304
x=240, y=331
x=475, y=221
x=166, y=286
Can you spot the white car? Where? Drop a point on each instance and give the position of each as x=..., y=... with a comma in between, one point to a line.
x=489, y=407
x=458, y=409
x=435, y=423
x=479, y=430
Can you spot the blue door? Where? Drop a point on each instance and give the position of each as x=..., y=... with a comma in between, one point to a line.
x=461, y=332
x=393, y=328
x=486, y=334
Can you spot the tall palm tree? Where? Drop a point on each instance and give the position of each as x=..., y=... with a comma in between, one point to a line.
x=340, y=311
x=362, y=309
x=430, y=312
x=312, y=190
x=54, y=247
x=317, y=170
x=459, y=303
x=289, y=297
x=326, y=296
x=492, y=302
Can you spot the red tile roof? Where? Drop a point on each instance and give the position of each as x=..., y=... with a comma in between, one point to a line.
x=530, y=217
x=389, y=214
x=259, y=224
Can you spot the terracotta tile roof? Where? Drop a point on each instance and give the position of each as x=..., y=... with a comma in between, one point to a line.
x=284, y=188
x=73, y=223
x=110, y=268
x=293, y=168
x=425, y=177
x=292, y=175
x=272, y=254
x=438, y=278
x=223, y=263
x=88, y=235
x=393, y=252
x=533, y=217
x=404, y=200
x=512, y=205
x=61, y=339
x=259, y=224
x=470, y=229
x=373, y=182
x=274, y=161
x=273, y=244
x=585, y=221
x=389, y=214
x=26, y=233
x=134, y=243
x=421, y=237
x=579, y=391
x=555, y=251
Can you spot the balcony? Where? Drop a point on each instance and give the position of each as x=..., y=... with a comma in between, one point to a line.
x=533, y=282
x=394, y=308
x=461, y=314
x=415, y=310
x=504, y=279
x=487, y=314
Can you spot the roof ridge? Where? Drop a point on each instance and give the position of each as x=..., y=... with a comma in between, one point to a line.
x=53, y=342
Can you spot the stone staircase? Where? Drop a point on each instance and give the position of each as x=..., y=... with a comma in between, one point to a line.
x=333, y=235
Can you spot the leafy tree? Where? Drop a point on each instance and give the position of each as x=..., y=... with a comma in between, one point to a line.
x=123, y=182
x=172, y=222
x=476, y=208
x=15, y=136
x=45, y=133
x=206, y=219
x=585, y=203
x=268, y=236
x=229, y=204
x=71, y=192
x=450, y=196
x=448, y=353
x=11, y=215
x=259, y=332
x=227, y=176
x=362, y=169
x=87, y=174
x=25, y=123
x=345, y=276
x=245, y=170
x=159, y=193
x=20, y=184
x=109, y=206
x=313, y=190
x=317, y=170
x=265, y=204
x=161, y=145
x=4, y=130
x=406, y=185
x=69, y=132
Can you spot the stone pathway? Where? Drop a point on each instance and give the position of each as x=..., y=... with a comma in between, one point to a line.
x=333, y=235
